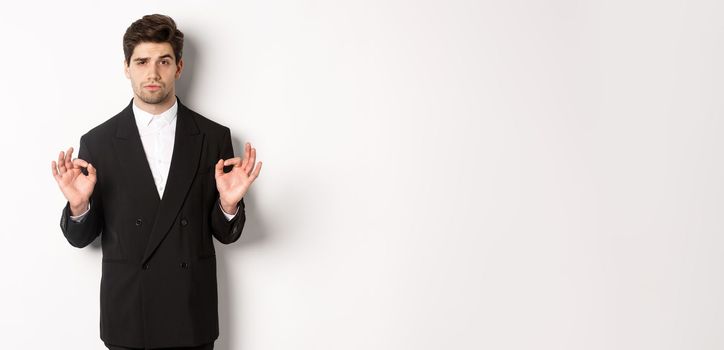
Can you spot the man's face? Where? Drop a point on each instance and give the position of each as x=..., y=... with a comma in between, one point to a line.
x=153, y=71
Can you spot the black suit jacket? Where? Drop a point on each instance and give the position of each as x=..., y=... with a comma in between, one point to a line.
x=158, y=284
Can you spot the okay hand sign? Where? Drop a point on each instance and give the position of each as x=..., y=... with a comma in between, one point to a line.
x=232, y=186
x=76, y=187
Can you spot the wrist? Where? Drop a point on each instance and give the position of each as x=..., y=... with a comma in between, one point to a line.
x=228, y=206
x=77, y=209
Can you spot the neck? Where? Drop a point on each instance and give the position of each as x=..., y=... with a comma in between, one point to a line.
x=156, y=108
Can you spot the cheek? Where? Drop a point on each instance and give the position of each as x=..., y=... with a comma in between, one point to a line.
x=171, y=73
x=132, y=75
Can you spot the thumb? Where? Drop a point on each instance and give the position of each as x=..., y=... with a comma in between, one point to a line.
x=219, y=168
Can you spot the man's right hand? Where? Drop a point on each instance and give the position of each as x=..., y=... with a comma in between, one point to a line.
x=77, y=188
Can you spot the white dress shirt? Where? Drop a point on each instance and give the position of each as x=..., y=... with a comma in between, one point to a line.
x=157, y=135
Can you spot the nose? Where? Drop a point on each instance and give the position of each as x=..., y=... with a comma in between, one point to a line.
x=153, y=73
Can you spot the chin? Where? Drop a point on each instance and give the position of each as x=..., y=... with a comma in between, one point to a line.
x=153, y=99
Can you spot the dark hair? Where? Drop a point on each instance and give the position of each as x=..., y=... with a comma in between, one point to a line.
x=156, y=29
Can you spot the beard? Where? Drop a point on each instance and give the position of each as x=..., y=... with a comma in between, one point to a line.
x=153, y=97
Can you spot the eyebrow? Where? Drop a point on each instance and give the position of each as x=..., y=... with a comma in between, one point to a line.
x=147, y=58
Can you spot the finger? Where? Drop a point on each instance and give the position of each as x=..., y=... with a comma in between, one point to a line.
x=256, y=171
x=80, y=163
x=61, y=162
x=245, y=163
x=91, y=169
x=54, y=169
x=232, y=161
x=247, y=150
x=68, y=155
x=219, y=168
x=248, y=167
x=252, y=159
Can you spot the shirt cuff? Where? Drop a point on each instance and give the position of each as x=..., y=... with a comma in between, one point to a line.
x=229, y=216
x=79, y=218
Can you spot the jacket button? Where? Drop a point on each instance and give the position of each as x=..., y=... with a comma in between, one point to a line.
x=145, y=266
x=139, y=222
x=184, y=265
x=184, y=222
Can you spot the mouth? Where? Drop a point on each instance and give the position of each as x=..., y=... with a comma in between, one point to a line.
x=152, y=87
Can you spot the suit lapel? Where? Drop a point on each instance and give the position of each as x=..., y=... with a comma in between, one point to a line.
x=184, y=164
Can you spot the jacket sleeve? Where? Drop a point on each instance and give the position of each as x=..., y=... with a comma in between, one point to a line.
x=80, y=234
x=227, y=231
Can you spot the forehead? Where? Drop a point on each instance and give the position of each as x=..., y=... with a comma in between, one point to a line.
x=152, y=50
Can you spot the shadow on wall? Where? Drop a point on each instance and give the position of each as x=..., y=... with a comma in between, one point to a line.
x=227, y=271
x=229, y=277
x=253, y=232
x=184, y=86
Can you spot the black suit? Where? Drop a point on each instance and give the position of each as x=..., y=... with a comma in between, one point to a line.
x=158, y=285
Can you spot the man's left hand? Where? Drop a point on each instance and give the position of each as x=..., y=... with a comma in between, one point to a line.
x=232, y=186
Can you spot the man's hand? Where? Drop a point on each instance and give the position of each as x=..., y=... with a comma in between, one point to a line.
x=76, y=187
x=232, y=186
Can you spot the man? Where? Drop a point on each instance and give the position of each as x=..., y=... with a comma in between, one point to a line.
x=156, y=182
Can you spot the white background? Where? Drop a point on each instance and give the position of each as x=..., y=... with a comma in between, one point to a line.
x=437, y=174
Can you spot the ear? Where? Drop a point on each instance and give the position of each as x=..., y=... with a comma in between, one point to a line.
x=179, y=67
x=126, y=69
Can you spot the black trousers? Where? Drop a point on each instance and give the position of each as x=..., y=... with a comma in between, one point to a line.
x=209, y=346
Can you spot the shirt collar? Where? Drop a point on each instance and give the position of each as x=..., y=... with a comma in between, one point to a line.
x=144, y=119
